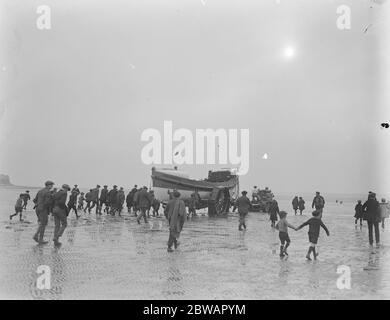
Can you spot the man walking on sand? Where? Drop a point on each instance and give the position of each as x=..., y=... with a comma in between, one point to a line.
x=43, y=202
x=243, y=204
x=143, y=203
x=60, y=213
x=176, y=213
x=318, y=203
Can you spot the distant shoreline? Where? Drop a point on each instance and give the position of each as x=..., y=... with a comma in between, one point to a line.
x=17, y=187
x=281, y=194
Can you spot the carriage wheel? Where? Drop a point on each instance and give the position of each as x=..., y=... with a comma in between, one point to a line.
x=222, y=203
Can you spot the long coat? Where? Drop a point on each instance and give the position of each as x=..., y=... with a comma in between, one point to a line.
x=95, y=194
x=301, y=204
x=359, y=211
x=112, y=196
x=371, y=211
x=143, y=200
x=273, y=211
x=120, y=198
x=295, y=203
x=243, y=204
x=59, y=202
x=43, y=199
x=176, y=213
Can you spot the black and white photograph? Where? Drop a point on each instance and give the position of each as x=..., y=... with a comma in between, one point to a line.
x=221, y=151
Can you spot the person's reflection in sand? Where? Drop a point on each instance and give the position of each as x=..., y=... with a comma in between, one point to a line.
x=58, y=273
x=284, y=272
x=173, y=287
x=71, y=232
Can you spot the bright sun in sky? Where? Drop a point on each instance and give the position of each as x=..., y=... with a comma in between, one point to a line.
x=289, y=52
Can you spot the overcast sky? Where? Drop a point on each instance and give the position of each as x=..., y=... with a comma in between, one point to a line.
x=75, y=99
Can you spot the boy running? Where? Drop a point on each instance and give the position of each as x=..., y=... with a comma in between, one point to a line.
x=18, y=208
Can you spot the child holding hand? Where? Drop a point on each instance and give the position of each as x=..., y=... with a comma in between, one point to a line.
x=283, y=226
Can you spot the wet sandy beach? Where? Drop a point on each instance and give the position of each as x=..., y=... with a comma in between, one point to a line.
x=115, y=258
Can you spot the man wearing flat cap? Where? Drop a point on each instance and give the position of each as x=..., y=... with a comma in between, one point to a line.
x=243, y=204
x=95, y=199
x=318, y=202
x=42, y=200
x=112, y=196
x=103, y=199
x=143, y=203
x=60, y=213
x=76, y=189
x=176, y=214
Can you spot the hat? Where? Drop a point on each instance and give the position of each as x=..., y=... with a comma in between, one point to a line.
x=65, y=186
x=115, y=186
x=27, y=191
x=98, y=186
x=49, y=183
x=176, y=194
x=76, y=185
x=105, y=186
x=316, y=213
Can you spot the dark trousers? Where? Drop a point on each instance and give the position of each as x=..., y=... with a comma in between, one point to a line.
x=359, y=219
x=94, y=203
x=143, y=214
x=72, y=206
x=172, y=240
x=43, y=217
x=60, y=222
x=373, y=225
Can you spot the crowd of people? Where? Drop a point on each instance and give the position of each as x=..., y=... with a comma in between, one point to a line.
x=371, y=211
x=244, y=204
x=139, y=201
x=142, y=203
